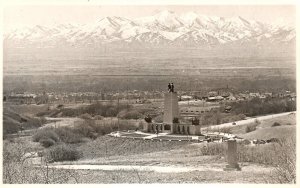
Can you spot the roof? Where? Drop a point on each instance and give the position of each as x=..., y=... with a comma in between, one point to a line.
x=198, y=108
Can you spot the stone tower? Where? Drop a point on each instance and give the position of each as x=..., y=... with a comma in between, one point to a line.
x=170, y=110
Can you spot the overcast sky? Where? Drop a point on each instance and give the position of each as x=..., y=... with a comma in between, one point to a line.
x=15, y=16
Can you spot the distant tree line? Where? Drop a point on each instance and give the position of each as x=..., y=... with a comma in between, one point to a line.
x=258, y=106
x=105, y=110
x=146, y=83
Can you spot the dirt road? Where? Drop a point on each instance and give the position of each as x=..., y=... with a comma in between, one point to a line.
x=160, y=169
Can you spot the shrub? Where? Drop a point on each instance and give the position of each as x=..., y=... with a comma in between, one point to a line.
x=85, y=116
x=281, y=155
x=67, y=135
x=62, y=153
x=148, y=119
x=222, y=129
x=250, y=128
x=98, y=117
x=195, y=121
x=276, y=124
x=111, y=112
x=262, y=154
x=225, y=130
x=85, y=130
x=47, y=142
x=242, y=116
x=45, y=133
x=60, y=106
x=130, y=114
x=214, y=149
x=175, y=120
x=285, y=161
x=158, y=119
x=246, y=142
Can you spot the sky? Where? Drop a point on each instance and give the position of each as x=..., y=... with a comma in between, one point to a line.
x=25, y=15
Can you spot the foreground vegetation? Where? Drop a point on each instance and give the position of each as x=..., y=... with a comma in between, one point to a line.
x=281, y=155
x=19, y=168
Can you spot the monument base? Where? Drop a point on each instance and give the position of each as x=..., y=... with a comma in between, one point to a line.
x=232, y=168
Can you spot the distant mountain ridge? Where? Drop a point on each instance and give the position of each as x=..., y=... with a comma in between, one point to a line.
x=165, y=28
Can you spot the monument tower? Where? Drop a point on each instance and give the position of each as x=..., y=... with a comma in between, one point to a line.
x=171, y=118
x=171, y=111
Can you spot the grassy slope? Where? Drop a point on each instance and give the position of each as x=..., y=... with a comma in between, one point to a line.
x=265, y=130
x=28, y=110
x=16, y=115
x=271, y=132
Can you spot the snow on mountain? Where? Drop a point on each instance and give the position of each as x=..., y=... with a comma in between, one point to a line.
x=165, y=20
x=193, y=20
x=165, y=27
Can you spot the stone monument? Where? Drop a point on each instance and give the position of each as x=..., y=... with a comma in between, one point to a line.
x=232, y=157
x=171, y=110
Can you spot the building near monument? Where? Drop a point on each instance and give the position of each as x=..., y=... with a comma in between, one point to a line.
x=195, y=111
x=171, y=119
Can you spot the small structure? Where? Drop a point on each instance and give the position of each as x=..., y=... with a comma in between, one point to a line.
x=232, y=157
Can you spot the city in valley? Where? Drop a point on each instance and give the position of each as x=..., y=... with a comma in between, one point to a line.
x=168, y=97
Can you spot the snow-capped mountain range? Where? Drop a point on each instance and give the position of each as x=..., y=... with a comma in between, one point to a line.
x=163, y=28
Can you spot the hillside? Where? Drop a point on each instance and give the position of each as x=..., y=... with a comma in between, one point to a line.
x=265, y=129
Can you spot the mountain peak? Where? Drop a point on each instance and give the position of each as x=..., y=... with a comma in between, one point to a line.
x=165, y=26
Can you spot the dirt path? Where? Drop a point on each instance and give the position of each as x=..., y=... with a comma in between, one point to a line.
x=161, y=169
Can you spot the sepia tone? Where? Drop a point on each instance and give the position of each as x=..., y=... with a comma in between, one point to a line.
x=149, y=94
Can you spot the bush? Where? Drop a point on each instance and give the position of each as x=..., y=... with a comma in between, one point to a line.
x=130, y=114
x=214, y=149
x=285, y=161
x=67, y=135
x=250, y=128
x=85, y=116
x=195, y=121
x=225, y=130
x=242, y=116
x=98, y=117
x=175, y=120
x=222, y=129
x=281, y=155
x=246, y=142
x=62, y=153
x=148, y=119
x=158, y=119
x=85, y=130
x=45, y=133
x=47, y=142
x=276, y=124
